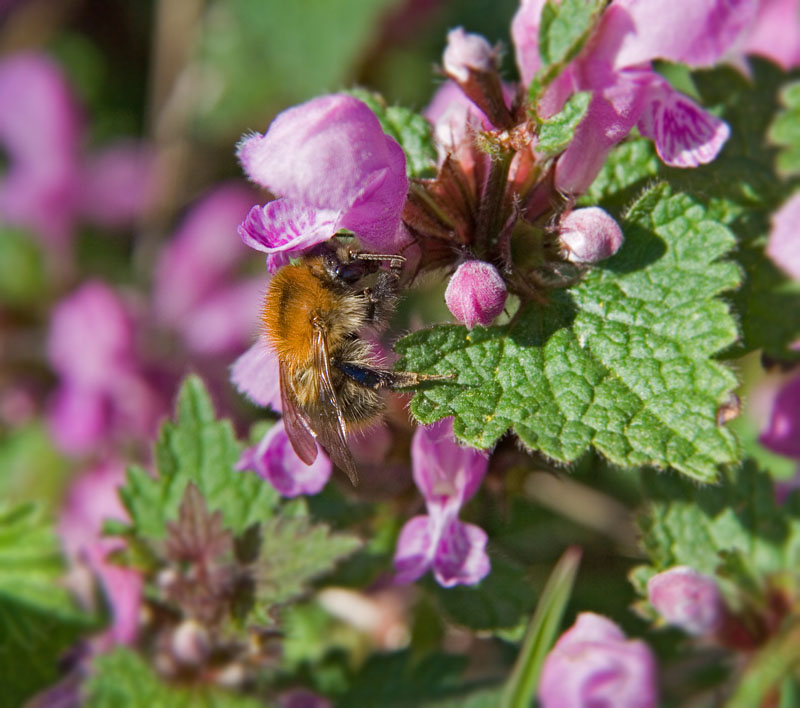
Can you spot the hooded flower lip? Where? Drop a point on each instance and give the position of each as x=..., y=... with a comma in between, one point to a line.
x=333, y=168
x=448, y=475
x=593, y=664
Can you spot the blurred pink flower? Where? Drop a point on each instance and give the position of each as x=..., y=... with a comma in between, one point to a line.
x=593, y=664
x=782, y=434
x=91, y=499
x=783, y=246
x=49, y=185
x=687, y=599
x=774, y=34
x=103, y=390
x=275, y=461
x=255, y=374
x=196, y=291
x=448, y=475
x=334, y=168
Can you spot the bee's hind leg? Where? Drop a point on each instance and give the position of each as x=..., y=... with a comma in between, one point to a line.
x=383, y=378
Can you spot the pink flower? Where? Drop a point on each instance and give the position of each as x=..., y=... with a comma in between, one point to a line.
x=687, y=599
x=615, y=67
x=782, y=434
x=476, y=293
x=774, y=34
x=48, y=186
x=466, y=53
x=255, y=374
x=448, y=475
x=275, y=461
x=589, y=235
x=196, y=292
x=92, y=498
x=334, y=168
x=783, y=246
x=103, y=389
x=593, y=664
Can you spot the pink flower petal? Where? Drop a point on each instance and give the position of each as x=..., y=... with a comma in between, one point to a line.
x=525, y=33
x=592, y=664
x=330, y=154
x=461, y=555
x=415, y=550
x=783, y=246
x=775, y=34
x=444, y=471
x=202, y=254
x=275, y=461
x=117, y=184
x=782, y=434
x=78, y=418
x=255, y=374
x=695, y=32
x=283, y=229
x=685, y=135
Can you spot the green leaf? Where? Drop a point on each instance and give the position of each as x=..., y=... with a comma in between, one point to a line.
x=199, y=448
x=785, y=131
x=740, y=189
x=499, y=601
x=121, y=679
x=557, y=132
x=38, y=620
x=22, y=276
x=564, y=29
x=263, y=55
x=622, y=362
x=293, y=552
x=521, y=685
x=702, y=526
x=411, y=130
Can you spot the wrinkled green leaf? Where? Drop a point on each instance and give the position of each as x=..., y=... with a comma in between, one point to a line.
x=411, y=130
x=121, y=679
x=739, y=188
x=621, y=362
x=293, y=552
x=556, y=133
x=199, y=448
x=700, y=526
x=38, y=619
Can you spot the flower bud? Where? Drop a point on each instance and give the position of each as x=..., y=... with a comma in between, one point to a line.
x=466, y=52
x=589, y=235
x=593, y=664
x=476, y=293
x=687, y=599
x=190, y=643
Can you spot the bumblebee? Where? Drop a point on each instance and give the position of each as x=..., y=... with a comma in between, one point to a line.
x=314, y=314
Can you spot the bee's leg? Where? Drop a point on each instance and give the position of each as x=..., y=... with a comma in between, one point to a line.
x=384, y=378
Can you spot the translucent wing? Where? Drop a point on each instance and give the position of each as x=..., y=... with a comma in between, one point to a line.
x=326, y=418
x=297, y=425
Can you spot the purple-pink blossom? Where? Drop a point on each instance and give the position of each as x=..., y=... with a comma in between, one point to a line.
x=255, y=374
x=615, y=67
x=782, y=433
x=594, y=664
x=275, y=461
x=196, y=292
x=687, y=599
x=589, y=235
x=103, y=389
x=91, y=499
x=49, y=184
x=448, y=475
x=333, y=168
x=783, y=246
x=774, y=33
x=476, y=293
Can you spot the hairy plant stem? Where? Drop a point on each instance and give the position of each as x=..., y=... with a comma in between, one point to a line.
x=492, y=204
